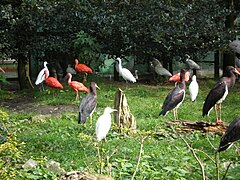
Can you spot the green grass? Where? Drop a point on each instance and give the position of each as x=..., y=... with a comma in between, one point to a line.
x=165, y=155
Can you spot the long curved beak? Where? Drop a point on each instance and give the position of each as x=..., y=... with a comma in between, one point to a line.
x=97, y=86
x=236, y=71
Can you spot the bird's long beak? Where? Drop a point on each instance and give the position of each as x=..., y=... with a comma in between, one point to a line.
x=97, y=86
x=236, y=71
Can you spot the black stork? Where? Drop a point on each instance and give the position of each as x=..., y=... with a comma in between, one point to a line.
x=175, y=97
x=231, y=135
x=219, y=92
x=88, y=104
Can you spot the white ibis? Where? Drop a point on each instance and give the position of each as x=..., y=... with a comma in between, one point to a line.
x=193, y=88
x=124, y=72
x=175, y=97
x=191, y=64
x=231, y=135
x=70, y=70
x=75, y=85
x=88, y=104
x=219, y=92
x=41, y=75
x=103, y=124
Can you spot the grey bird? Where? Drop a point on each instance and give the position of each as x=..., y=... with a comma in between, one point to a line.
x=88, y=104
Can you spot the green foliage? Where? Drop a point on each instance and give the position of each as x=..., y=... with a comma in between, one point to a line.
x=10, y=155
x=164, y=152
x=87, y=47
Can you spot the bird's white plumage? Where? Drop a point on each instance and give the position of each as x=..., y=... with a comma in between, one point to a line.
x=125, y=73
x=193, y=88
x=41, y=74
x=103, y=124
x=70, y=70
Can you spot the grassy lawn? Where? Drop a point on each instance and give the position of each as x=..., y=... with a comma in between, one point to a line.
x=165, y=154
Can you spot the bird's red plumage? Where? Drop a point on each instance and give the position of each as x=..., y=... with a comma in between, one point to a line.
x=176, y=77
x=78, y=87
x=53, y=82
x=82, y=68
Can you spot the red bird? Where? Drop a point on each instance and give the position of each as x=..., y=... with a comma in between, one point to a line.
x=176, y=77
x=75, y=85
x=83, y=69
x=238, y=69
x=51, y=81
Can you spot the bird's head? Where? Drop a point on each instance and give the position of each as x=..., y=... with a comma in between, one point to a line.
x=118, y=60
x=76, y=61
x=93, y=87
x=109, y=110
x=231, y=68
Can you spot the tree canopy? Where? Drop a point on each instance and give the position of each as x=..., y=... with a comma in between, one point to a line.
x=163, y=29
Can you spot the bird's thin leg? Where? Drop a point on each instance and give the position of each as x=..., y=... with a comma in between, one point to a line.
x=77, y=95
x=219, y=121
x=90, y=120
x=215, y=109
x=85, y=77
x=174, y=114
x=42, y=86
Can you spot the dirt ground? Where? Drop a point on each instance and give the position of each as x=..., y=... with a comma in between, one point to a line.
x=28, y=104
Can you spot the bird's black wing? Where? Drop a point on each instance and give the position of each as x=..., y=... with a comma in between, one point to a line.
x=231, y=135
x=174, y=97
x=86, y=107
x=215, y=94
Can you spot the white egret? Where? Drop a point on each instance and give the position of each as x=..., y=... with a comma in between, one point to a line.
x=193, y=88
x=124, y=72
x=103, y=124
x=41, y=74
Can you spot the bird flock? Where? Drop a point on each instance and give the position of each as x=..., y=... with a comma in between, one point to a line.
x=173, y=100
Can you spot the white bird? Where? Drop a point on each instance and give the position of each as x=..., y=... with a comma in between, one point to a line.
x=193, y=88
x=41, y=74
x=70, y=70
x=124, y=72
x=103, y=124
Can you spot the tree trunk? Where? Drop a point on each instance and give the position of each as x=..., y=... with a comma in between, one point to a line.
x=123, y=117
x=22, y=72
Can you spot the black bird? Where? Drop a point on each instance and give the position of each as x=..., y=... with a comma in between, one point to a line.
x=219, y=92
x=231, y=135
x=175, y=97
x=88, y=104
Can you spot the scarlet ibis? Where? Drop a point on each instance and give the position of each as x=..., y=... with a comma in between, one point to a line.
x=175, y=97
x=193, y=88
x=231, y=135
x=51, y=81
x=219, y=92
x=88, y=104
x=75, y=85
x=83, y=69
x=70, y=69
x=103, y=124
x=176, y=77
x=191, y=64
x=41, y=75
x=238, y=69
x=124, y=72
